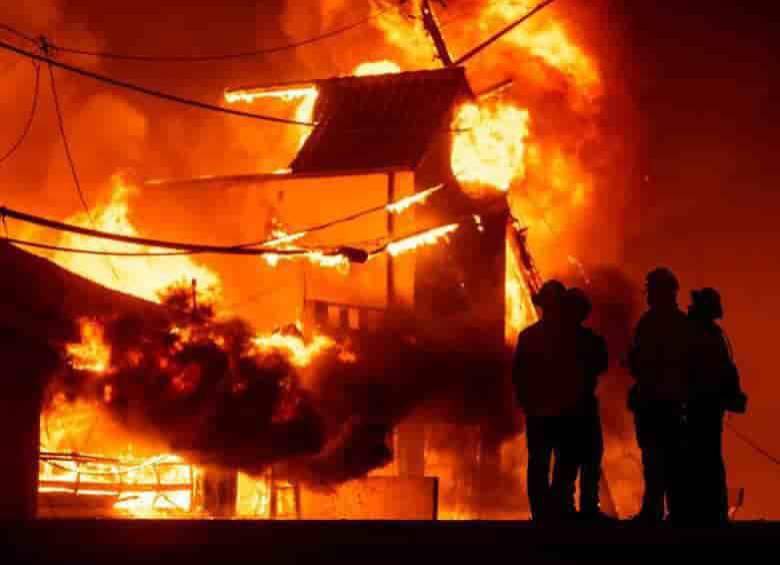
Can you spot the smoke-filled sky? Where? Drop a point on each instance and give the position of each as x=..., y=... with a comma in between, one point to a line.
x=698, y=75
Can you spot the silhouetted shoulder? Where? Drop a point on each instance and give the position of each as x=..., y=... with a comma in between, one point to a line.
x=531, y=333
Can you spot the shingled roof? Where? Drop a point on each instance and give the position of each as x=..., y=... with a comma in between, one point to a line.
x=382, y=121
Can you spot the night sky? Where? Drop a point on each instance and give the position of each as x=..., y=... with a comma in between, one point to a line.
x=708, y=199
x=703, y=195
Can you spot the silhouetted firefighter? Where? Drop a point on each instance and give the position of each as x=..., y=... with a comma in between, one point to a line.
x=660, y=361
x=714, y=389
x=593, y=357
x=550, y=384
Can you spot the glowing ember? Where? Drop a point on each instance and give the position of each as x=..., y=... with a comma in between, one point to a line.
x=580, y=268
x=401, y=205
x=145, y=277
x=376, y=68
x=92, y=353
x=429, y=237
x=488, y=148
x=299, y=353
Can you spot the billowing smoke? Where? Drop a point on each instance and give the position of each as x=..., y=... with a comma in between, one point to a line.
x=206, y=389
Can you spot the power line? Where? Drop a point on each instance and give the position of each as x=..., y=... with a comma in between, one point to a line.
x=298, y=251
x=191, y=247
x=757, y=448
x=344, y=219
x=17, y=33
x=148, y=91
x=503, y=32
x=76, y=250
x=220, y=57
x=28, y=123
x=71, y=163
x=66, y=146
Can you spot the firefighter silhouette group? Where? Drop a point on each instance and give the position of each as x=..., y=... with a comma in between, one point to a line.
x=685, y=380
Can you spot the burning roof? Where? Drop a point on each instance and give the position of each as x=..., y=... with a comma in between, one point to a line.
x=40, y=298
x=378, y=121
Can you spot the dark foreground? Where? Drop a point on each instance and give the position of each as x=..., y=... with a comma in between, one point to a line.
x=481, y=543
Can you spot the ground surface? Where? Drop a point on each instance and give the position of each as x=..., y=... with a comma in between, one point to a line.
x=180, y=543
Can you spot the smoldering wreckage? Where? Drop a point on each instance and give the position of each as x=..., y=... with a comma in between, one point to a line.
x=392, y=374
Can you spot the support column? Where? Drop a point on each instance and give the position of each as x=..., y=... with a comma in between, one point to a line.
x=24, y=365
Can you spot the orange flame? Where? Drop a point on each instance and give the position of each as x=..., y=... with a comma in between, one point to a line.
x=319, y=258
x=376, y=68
x=429, y=237
x=283, y=241
x=400, y=205
x=305, y=95
x=300, y=353
x=519, y=309
x=92, y=353
x=544, y=37
x=145, y=277
x=488, y=148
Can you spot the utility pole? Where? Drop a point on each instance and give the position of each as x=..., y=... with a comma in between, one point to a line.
x=432, y=27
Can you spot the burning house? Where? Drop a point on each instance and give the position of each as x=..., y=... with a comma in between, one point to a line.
x=398, y=280
x=380, y=157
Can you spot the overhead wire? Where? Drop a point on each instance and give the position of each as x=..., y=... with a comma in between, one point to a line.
x=17, y=33
x=752, y=444
x=69, y=156
x=30, y=117
x=488, y=42
x=253, y=244
x=225, y=56
x=66, y=147
x=76, y=250
x=192, y=247
x=146, y=90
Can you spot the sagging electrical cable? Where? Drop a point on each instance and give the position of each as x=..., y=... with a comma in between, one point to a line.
x=17, y=33
x=753, y=445
x=30, y=117
x=396, y=206
x=354, y=255
x=146, y=90
x=220, y=57
x=69, y=155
